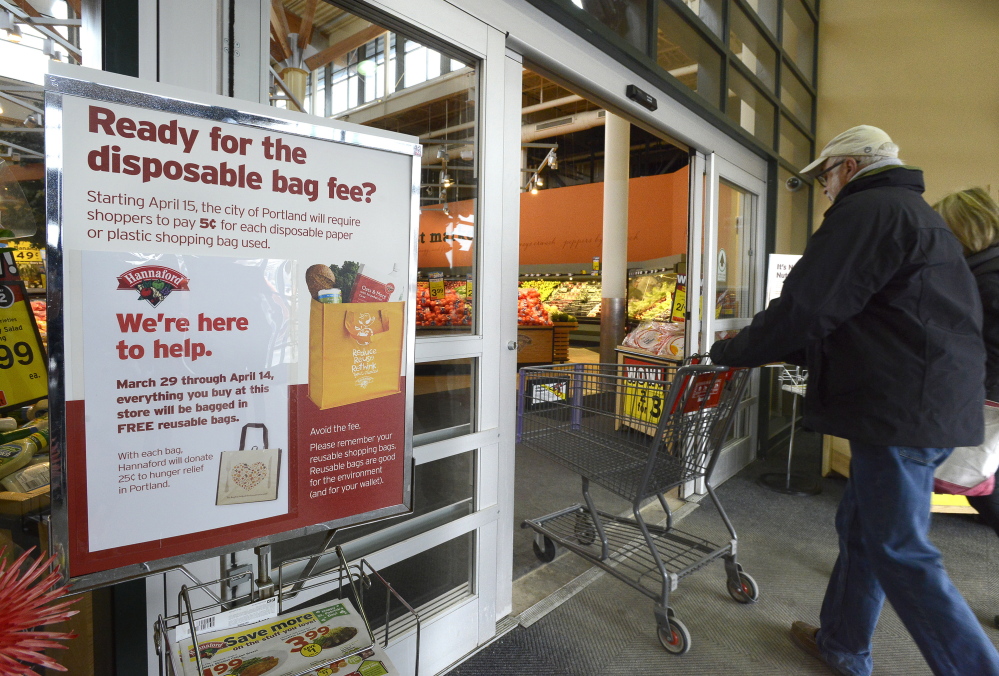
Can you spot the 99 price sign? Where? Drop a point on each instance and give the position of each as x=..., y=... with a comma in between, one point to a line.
x=22, y=361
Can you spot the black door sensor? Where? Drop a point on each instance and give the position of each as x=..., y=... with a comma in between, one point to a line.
x=640, y=97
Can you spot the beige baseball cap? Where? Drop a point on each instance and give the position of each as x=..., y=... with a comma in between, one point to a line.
x=861, y=140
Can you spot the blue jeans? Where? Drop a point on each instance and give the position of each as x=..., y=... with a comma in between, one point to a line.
x=884, y=550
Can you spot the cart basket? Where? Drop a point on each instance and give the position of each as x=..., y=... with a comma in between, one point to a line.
x=638, y=431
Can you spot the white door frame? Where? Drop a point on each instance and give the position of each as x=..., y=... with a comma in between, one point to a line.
x=714, y=169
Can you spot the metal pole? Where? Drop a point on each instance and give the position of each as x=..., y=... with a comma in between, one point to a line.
x=614, y=254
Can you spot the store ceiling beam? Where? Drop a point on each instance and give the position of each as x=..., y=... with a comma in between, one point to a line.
x=279, y=28
x=402, y=100
x=554, y=103
x=21, y=102
x=26, y=6
x=22, y=149
x=75, y=4
x=344, y=46
x=308, y=22
x=26, y=18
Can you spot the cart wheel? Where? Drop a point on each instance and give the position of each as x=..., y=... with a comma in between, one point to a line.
x=675, y=637
x=745, y=590
x=548, y=553
x=584, y=530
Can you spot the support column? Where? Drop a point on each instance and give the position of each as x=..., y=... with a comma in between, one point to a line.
x=295, y=79
x=614, y=256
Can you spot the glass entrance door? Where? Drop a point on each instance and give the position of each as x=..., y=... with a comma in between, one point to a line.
x=730, y=287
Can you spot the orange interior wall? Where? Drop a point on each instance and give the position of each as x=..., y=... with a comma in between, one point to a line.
x=565, y=225
x=451, y=249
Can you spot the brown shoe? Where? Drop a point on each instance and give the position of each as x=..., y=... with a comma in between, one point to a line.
x=803, y=636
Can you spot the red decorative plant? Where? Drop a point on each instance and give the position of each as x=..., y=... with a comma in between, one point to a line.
x=28, y=600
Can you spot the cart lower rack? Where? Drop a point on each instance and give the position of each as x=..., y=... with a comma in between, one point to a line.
x=638, y=432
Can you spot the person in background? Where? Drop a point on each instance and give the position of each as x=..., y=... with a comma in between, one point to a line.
x=974, y=217
x=885, y=310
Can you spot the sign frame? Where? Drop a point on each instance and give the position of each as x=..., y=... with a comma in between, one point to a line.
x=66, y=82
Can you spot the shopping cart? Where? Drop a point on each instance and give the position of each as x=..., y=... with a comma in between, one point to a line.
x=637, y=431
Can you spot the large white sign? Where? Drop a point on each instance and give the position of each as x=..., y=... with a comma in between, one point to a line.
x=223, y=282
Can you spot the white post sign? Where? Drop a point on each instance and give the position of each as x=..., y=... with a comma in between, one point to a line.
x=778, y=267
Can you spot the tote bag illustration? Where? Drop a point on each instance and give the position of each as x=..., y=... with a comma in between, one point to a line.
x=355, y=352
x=249, y=475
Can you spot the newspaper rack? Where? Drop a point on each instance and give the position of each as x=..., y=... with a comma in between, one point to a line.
x=343, y=578
x=793, y=379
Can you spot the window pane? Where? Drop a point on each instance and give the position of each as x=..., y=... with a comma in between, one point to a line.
x=736, y=285
x=799, y=37
x=749, y=108
x=627, y=18
x=443, y=491
x=687, y=56
x=794, y=95
x=442, y=399
x=442, y=571
x=440, y=108
x=794, y=146
x=792, y=216
x=709, y=11
x=750, y=47
x=766, y=10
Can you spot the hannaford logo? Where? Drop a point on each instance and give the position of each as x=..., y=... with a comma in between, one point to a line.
x=153, y=282
x=207, y=649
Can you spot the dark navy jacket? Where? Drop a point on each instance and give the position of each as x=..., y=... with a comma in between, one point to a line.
x=888, y=315
x=985, y=266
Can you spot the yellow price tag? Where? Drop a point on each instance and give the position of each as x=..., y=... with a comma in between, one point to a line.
x=644, y=401
x=311, y=650
x=326, y=671
x=22, y=362
x=436, y=285
x=679, y=306
x=27, y=255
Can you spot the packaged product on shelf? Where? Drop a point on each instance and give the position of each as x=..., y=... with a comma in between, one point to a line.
x=36, y=425
x=314, y=637
x=7, y=424
x=658, y=338
x=27, y=479
x=16, y=454
x=650, y=296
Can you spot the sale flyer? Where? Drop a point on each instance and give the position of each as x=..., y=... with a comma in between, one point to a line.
x=238, y=330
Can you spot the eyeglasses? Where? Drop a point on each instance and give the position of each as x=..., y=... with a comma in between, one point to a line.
x=820, y=177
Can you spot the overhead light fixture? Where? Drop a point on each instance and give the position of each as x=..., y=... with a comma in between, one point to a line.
x=33, y=120
x=445, y=179
x=367, y=68
x=1, y=110
x=49, y=49
x=9, y=27
x=540, y=181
